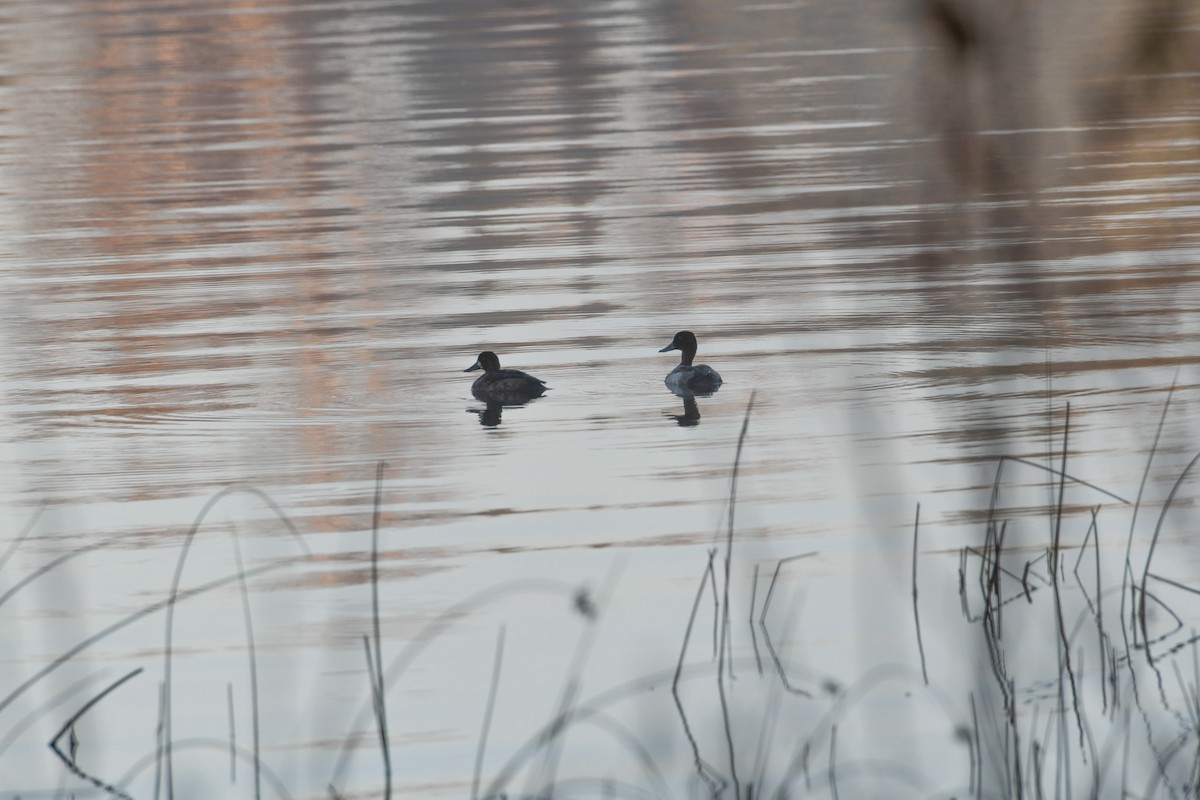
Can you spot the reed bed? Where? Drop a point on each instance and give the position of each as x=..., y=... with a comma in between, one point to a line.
x=1079, y=677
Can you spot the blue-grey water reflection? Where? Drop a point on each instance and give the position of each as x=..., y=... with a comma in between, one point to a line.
x=256, y=243
x=690, y=416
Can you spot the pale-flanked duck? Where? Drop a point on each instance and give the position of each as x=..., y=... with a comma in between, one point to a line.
x=687, y=376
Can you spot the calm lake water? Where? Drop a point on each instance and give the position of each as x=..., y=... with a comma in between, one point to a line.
x=256, y=244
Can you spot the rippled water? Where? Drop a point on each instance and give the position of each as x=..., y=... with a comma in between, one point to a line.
x=251, y=243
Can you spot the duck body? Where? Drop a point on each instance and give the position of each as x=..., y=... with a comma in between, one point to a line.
x=689, y=377
x=503, y=385
x=699, y=378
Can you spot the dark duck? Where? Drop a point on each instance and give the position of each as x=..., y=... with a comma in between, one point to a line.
x=507, y=386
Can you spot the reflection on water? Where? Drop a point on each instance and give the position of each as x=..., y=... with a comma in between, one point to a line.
x=249, y=243
x=691, y=412
x=490, y=415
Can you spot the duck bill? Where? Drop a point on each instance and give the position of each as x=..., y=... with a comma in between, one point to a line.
x=669, y=348
x=473, y=367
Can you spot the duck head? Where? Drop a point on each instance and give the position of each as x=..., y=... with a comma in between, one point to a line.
x=487, y=361
x=685, y=342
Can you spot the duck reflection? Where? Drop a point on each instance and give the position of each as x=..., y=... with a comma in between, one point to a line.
x=489, y=415
x=691, y=409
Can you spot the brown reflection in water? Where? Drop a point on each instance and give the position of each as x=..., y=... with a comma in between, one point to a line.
x=260, y=188
x=213, y=191
x=1030, y=100
x=1045, y=154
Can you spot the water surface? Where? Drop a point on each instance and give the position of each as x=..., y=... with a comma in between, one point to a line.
x=257, y=244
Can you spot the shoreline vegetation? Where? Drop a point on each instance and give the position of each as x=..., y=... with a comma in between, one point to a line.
x=1082, y=675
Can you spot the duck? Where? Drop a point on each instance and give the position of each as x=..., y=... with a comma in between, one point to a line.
x=686, y=376
x=503, y=385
